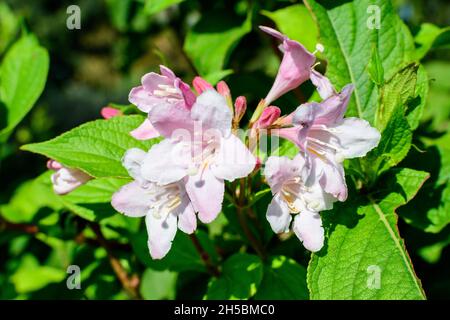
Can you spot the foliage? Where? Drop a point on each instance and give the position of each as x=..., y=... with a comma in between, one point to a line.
x=395, y=222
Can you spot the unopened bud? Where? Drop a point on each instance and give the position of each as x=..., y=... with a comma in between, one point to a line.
x=224, y=90
x=240, y=106
x=201, y=85
x=268, y=117
x=53, y=165
x=108, y=112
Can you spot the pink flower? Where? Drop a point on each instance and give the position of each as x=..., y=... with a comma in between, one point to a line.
x=145, y=131
x=327, y=138
x=108, y=112
x=268, y=117
x=240, y=106
x=159, y=89
x=295, y=66
x=65, y=179
x=201, y=85
x=165, y=208
x=199, y=148
x=296, y=191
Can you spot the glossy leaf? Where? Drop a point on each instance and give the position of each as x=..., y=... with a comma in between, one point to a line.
x=364, y=256
x=95, y=147
x=240, y=278
x=23, y=74
x=284, y=279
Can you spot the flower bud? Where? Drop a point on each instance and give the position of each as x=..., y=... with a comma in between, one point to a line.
x=53, y=165
x=240, y=106
x=201, y=85
x=268, y=117
x=224, y=90
x=108, y=112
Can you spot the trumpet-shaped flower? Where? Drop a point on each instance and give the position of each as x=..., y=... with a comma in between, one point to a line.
x=65, y=180
x=295, y=66
x=296, y=191
x=165, y=208
x=201, y=149
x=327, y=138
x=163, y=89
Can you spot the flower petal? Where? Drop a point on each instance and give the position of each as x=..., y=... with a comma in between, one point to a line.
x=308, y=228
x=323, y=85
x=280, y=169
x=145, y=131
x=273, y=33
x=315, y=198
x=166, y=162
x=143, y=98
x=356, y=137
x=278, y=215
x=171, y=119
x=132, y=200
x=161, y=233
x=328, y=112
x=65, y=180
x=233, y=159
x=132, y=161
x=295, y=68
x=331, y=177
x=212, y=111
x=187, y=220
x=206, y=193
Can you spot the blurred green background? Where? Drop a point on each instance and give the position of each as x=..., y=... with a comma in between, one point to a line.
x=118, y=42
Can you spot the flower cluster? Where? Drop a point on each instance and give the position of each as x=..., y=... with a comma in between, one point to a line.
x=183, y=176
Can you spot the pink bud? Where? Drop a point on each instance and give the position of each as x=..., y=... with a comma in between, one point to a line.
x=201, y=84
x=268, y=117
x=53, y=165
x=223, y=89
x=108, y=112
x=240, y=105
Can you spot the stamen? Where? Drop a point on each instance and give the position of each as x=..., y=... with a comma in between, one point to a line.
x=322, y=143
x=161, y=93
x=320, y=47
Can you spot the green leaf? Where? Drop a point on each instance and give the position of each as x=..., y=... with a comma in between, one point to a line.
x=364, y=240
x=293, y=21
x=31, y=199
x=393, y=147
x=396, y=96
x=119, y=11
x=217, y=76
x=432, y=253
x=348, y=41
x=31, y=276
x=92, y=201
x=157, y=285
x=9, y=24
x=430, y=210
x=155, y=6
x=95, y=147
x=415, y=107
x=437, y=112
x=210, y=42
x=375, y=68
x=396, y=92
x=240, y=278
x=430, y=37
x=283, y=279
x=23, y=74
x=182, y=256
